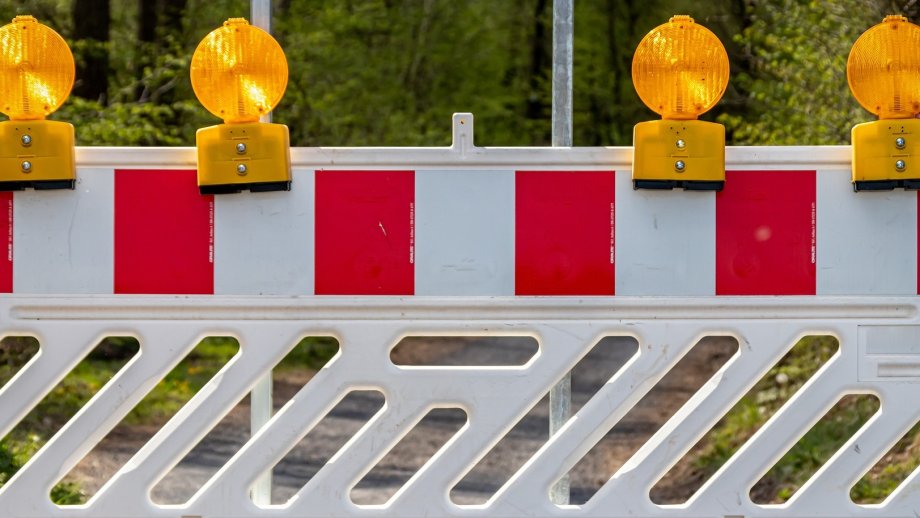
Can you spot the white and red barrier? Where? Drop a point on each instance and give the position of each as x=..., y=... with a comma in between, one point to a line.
x=455, y=229
x=463, y=241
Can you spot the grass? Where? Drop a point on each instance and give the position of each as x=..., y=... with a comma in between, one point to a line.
x=896, y=465
x=764, y=399
x=183, y=381
x=814, y=449
x=741, y=422
x=817, y=445
x=98, y=368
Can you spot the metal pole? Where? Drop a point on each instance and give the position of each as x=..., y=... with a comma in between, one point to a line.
x=261, y=14
x=260, y=399
x=560, y=396
x=563, y=25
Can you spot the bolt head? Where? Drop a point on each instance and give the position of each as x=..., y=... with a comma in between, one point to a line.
x=679, y=166
x=241, y=169
x=26, y=140
x=680, y=144
x=900, y=142
x=241, y=148
x=900, y=165
x=26, y=166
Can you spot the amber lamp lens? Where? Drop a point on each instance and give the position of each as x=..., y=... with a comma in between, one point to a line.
x=680, y=69
x=36, y=69
x=883, y=69
x=239, y=72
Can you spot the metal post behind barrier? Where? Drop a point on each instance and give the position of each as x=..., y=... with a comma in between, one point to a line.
x=560, y=396
x=260, y=399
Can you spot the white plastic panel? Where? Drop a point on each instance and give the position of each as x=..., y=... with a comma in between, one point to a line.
x=63, y=239
x=665, y=244
x=494, y=398
x=465, y=232
x=867, y=241
x=263, y=242
x=890, y=352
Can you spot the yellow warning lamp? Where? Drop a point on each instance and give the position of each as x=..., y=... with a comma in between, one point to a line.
x=239, y=73
x=36, y=75
x=680, y=70
x=883, y=71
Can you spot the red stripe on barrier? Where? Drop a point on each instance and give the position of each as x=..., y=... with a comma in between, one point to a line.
x=6, y=237
x=164, y=233
x=564, y=240
x=766, y=233
x=365, y=233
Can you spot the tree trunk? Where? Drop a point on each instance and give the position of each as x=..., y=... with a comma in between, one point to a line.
x=170, y=40
x=173, y=11
x=146, y=36
x=540, y=64
x=159, y=26
x=91, y=21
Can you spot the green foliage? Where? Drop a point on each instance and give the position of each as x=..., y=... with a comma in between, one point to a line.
x=764, y=399
x=311, y=353
x=795, y=83
x=184, y=380
x=16, y=449
x=819, y=444
x=815, y=447
x=391, y=73
x=15, y=453
x=904, y=458
x=14, y=353
x=382, y=72
x=91, y=374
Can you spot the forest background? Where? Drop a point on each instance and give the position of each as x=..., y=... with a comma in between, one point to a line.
x=391, y=72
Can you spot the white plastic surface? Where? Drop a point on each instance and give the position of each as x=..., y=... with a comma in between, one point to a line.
x=494, y=398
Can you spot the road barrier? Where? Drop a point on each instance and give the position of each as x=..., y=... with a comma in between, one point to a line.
x=372, y=245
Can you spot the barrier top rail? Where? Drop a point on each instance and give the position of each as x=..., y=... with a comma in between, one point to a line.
x=462, y=221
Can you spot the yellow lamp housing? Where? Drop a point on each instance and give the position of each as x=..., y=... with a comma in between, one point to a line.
x=680, y=70
x=36, y=75
x=239, y=73
x=883, y=71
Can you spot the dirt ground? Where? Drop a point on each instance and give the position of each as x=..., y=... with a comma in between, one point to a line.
x=411, y=453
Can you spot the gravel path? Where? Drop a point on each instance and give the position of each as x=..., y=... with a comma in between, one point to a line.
x=411, y=453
